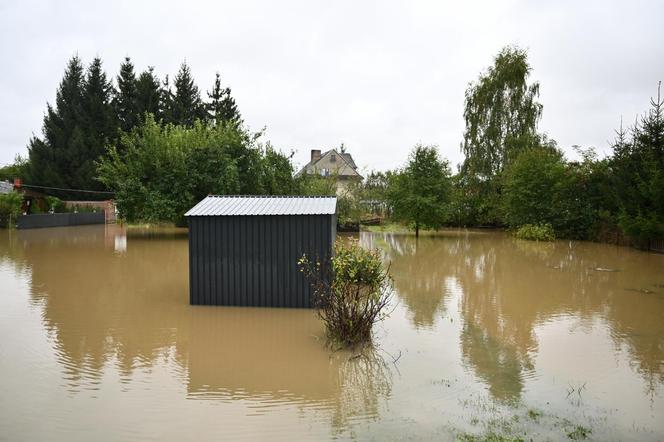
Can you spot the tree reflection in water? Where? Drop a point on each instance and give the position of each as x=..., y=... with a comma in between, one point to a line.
x=511, y=287
x=122, y=306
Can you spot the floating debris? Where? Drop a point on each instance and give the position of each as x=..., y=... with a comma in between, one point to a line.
x=605, y=269
x=644, y=291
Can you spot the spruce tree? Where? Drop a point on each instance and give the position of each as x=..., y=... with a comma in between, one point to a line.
x=148, y=95
x=638, y=173
x=50, y=156
x=221, y=107
x=98, y=127
x=166, y=102
x=187, y=104
x=125, y=101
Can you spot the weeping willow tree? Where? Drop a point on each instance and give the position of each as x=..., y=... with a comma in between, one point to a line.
x=501, y=115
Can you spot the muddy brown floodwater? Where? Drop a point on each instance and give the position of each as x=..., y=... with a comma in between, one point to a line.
x=489, y=335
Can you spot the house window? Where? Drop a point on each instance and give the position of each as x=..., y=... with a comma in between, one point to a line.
x=333, y=158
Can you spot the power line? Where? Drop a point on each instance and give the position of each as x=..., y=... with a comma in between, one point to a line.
x=68, y=190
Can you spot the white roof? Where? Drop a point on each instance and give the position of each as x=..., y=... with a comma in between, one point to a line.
x=6, y=187
x=214, y=205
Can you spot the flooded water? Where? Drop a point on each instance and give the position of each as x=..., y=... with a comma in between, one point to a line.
x=488, y=335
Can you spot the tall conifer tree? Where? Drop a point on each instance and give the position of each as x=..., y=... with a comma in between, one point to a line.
x=98, y=124
x=126, y=99
x=221, y=107
x=166, y=101
x=50, y=157
x=187, y=104
x=148, y=95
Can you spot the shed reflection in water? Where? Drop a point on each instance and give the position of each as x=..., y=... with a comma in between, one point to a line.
x=127, y=307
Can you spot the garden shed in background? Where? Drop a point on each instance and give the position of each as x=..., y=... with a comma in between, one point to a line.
x=244, y=250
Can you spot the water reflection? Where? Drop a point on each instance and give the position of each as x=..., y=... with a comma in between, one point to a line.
x=511, y=287
x=112, y=298
x=496, y=314
x=419, y=268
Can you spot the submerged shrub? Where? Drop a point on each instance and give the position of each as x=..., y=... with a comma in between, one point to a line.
x=536, y=232
x=351, y=292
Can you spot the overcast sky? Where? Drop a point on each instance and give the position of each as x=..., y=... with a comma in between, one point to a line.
x=378, y=76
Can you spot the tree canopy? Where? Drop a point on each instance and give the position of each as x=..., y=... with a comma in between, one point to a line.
x=638, y=175
x=501, y=114
x=222, y=108
x=162, y=171
x=89, y=114
x=126, y=99
x=420, y=191
x=76, y=130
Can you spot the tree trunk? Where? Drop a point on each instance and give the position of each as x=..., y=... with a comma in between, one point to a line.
x=417, y=229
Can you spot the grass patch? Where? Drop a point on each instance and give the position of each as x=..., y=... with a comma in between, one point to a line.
x=535, y=414
x=579, y=432
x=536, y=232
x=141, y=226
x=387, y=226
x=489, y=437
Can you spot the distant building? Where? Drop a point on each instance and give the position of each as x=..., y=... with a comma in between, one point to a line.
x=6, y=187
x=333, y=163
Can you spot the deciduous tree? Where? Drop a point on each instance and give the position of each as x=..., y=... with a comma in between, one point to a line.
x=501, y=114
x=420, y=191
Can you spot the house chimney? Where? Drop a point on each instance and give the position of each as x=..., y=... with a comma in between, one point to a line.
x=315, y=155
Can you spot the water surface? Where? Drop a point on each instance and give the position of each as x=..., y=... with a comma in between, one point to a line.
x=488, y=334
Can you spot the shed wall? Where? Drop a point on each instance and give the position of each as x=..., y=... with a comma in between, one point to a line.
x=252, y=260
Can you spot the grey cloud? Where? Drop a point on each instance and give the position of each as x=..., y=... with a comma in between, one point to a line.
x=378, y=76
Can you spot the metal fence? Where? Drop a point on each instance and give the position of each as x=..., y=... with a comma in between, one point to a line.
x=59, y=220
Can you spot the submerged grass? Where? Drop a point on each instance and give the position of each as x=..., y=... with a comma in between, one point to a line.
x=388, y=226
x=517, y=423
x=536, y=232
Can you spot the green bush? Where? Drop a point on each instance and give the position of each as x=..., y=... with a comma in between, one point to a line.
x=56, y=204
x=10, y=208
x=536, y=232
x=159, y=172
x=354, y=296
x=540, y=187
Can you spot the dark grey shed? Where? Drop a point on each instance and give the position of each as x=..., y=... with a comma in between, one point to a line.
x=243, y=250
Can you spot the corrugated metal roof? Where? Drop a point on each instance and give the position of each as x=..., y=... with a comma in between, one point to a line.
x=214, y=205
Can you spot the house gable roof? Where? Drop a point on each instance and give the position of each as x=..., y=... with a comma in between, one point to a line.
x=345, y=157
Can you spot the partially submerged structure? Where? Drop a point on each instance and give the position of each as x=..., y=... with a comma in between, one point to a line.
x=244, y=250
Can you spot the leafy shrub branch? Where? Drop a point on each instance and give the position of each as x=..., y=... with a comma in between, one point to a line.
x=351, y=292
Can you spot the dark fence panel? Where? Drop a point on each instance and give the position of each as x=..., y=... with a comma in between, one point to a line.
x=59, y=220
x=252, y=260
